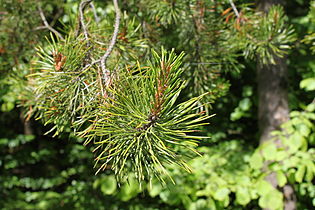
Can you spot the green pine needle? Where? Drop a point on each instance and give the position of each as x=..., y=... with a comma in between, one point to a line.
x=138, y=128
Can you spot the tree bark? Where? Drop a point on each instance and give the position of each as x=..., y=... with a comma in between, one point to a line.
x=264, y=5
x=273, y=109
x=27, y=128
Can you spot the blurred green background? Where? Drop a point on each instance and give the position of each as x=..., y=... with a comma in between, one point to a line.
x=38, y=171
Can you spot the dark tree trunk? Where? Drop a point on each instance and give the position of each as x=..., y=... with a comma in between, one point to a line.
x=273, y=109
x=264, y=5
x=27, y=128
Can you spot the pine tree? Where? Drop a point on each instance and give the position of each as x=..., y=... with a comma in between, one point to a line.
x=131, y=113
x=138, y=86
x=130, y=105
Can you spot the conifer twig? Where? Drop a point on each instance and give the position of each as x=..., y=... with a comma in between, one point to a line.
x=90, y=64
x=41, y=13
x=234, y=9
x=209, y=63
x=97, y=19
x=81, y=8
x=105, y=72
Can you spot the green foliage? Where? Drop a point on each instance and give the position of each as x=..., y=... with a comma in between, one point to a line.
x=191, y=27
x=63, y=89
x=166, y=12
x=291, y=158
x=133, y=119
x=142, y=122
x=263, y=35
x=309, y=39
x=40, y=173
x=308, y=84
x=214, y=178
x=244, y=105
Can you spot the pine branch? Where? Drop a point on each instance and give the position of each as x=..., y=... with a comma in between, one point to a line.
x=90, y=64
x=82, y=22
x=208, y=63
x=234, y=9
x=159, y=97
x=63, y=93
x=41, y=13
x=139, y=129
x=106, y=72
x=97, y=19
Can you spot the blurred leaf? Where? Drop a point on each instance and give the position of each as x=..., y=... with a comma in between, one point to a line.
x=108, y=185
x=242, y=196
x=256, y=161
x=272, y=200
x=245, y=104
x=129, y=190
x=155, y=188
x=281, y=178
x=299, y=175
x=310, y=171
x=221, y=194
x=269, y=151
x=263, y=187
x=170, y=197
x=308, y=84
x=202, y=204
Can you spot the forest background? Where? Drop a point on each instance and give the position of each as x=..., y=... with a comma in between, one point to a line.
x=252, y=64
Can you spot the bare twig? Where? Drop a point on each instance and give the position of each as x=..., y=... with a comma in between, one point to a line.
x=106, y=72
x=209, y=63
x=56, y=16
x=97, y=19
x=89, y=65
x=41, y=13
x=234, y=9
x=39, y=28
x=81, y=8
x=100, y=43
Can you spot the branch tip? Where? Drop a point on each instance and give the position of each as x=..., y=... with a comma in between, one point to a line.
x=234, y=9
x=41, y=13
x=82, y=6
x=106, y=72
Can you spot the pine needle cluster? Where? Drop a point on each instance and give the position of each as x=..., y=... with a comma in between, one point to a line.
x=138, y=128
x=129, y=110
x=64, y=87
x=262, y=35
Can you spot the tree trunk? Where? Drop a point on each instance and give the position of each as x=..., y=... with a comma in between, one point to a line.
x=273, y=109
x=27, y=128
x=264, y=5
